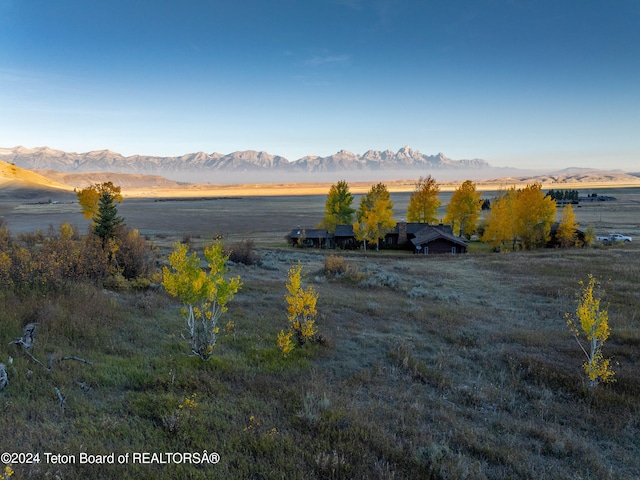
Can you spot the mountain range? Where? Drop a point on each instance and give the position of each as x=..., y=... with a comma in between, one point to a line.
x=202, y=167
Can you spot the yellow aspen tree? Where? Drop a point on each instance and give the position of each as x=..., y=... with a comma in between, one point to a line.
x=204, y=295
x=424, y=202
x=463, y=210
x=534, y=214
x=301, y=310
x=89, y=198
x=567, y=229
x=375, y=216
x=501, y=226
x=591, y=320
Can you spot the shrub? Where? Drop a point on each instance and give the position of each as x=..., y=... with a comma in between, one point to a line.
x=134, y=255
x=301, y=311
x=244, y=252
x=334, y=265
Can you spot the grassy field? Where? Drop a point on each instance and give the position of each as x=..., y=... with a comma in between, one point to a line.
x=430, y=367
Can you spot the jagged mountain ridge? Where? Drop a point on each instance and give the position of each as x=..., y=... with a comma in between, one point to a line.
x=44, y=158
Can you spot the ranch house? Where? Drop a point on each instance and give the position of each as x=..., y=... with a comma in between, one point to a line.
x=418, y=237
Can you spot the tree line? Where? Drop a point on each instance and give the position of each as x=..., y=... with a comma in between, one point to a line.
x=568, y=195
x=516, y=218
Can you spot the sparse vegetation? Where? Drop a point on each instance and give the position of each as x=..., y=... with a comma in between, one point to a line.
x=301, y=310
x=591, y=320
x=244, y=252
x=204, y=294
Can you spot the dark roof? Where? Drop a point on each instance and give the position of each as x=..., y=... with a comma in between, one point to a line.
x=309, y=233
x=414, y=227
x=429, y=233
x=344, y=231
x=554, y=229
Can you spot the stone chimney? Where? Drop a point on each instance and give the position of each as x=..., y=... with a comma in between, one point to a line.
x=402, y=233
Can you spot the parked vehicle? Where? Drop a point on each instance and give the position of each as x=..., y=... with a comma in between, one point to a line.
x=614, y=238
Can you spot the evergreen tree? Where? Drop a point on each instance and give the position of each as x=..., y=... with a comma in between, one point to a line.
x=106, y=220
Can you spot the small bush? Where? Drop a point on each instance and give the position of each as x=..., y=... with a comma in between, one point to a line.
x=134, y=255
x=244, y=252
x=381, y=279
x=117, y=282
x=334, y=265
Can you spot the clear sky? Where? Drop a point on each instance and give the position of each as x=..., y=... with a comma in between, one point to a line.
x=544, y=83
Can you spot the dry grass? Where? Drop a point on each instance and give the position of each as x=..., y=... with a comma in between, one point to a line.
x=432, y=367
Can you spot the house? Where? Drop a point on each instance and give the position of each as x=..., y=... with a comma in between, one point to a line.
x=401, y=236
x=345, y=238
x=554, y=241
x=417, y=237
x=438, y=239
x=312, y=237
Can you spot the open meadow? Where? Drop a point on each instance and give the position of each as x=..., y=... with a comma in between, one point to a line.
x=443, y=367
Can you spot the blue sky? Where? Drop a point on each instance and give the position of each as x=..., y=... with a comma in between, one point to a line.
x=530, y=84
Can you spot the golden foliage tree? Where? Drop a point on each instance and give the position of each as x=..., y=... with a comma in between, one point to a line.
x=89, y=198
x=463, y=210
x=338, y=208
x=523, y=215
x=374, y=216
x=591, y=320
x=424, y=202
x=501, y=226
x=204, y=295
x=535, y=213
x=567, y=229
x=301, y=311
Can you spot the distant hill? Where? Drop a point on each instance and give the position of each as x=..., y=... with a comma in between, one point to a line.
x=124, y=180
x=572, y=176
x=202, y=167
x=20, y=183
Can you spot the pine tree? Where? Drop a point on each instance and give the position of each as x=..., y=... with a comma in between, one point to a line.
x=106, y=220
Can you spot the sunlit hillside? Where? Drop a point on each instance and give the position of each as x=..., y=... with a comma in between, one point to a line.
x=10, y=174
